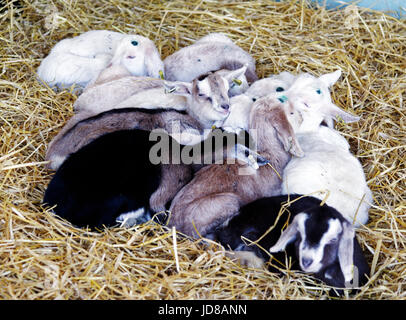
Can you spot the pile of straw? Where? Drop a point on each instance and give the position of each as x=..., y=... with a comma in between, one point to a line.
x=43, y=257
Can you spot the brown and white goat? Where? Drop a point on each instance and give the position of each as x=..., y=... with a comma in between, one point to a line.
x=207, y=103
x=217, y=191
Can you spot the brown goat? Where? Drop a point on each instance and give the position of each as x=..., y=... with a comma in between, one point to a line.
x=216, y=192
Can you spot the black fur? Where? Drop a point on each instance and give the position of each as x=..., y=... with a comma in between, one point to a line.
x=109, y=176
x=255, y=218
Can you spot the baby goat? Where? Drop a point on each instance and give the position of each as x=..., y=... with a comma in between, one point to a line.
x=318, y=239
x=115, y=177
x=207, y=103
x=241, y=104
x=117, y=87
x=210, y=53
x=80, y=59
x=217, y=191
x=328, y=164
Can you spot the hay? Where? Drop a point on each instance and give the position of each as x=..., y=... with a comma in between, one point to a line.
x=43, y=257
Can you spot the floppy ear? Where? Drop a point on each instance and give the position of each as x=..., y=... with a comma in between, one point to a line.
x=290, y=233
x=336, y=113
x=346, y=251
x=178, y=87
x=235, y=74
x=330, y=78
x=152, y=60
x=285, y=132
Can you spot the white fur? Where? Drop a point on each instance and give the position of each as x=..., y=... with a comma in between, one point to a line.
x=312, y=256
x=147, y=99
x=263, y=87
x=210, y=53
x=235, y=87
x=241, y=104
x=239, y=114
x=215, y=114
x=79, y=60
x=315, y=254
x=328, y=164
x=129, y=219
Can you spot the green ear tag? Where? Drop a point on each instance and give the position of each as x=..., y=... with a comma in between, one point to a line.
x=237, y=82
x=283, y=99
x=161, y=74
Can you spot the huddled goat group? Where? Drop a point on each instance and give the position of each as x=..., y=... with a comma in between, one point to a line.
x=293, y=191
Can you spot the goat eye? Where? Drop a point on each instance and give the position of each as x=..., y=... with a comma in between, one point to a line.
x=209, y=99
x=134, y=43
x=318, y=91
x=254, y=99
x=279, y=89
x=130, y=57
x=201, y=95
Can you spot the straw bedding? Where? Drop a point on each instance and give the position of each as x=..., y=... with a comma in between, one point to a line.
x=43, y=257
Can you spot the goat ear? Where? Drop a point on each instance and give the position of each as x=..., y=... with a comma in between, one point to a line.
x=178, y=87
x=289, y=234
x=285, y=132
x=235, y=74
x=330, y=78
x=336, y=113
x=346, y=251
x=152, y=61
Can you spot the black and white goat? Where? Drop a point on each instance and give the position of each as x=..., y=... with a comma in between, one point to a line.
x=317, y=238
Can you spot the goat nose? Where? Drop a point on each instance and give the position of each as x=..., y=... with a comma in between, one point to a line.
x=225, y=106
x=306, y=262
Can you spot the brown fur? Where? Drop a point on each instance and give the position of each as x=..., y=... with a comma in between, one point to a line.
x=173, y=178
x=87, y=125
x=217, y=192
x=83, y=128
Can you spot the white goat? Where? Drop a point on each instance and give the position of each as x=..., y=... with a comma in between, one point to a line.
x=77, y=61
x=241, y=104
x=328, y=164
x=116, y=88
